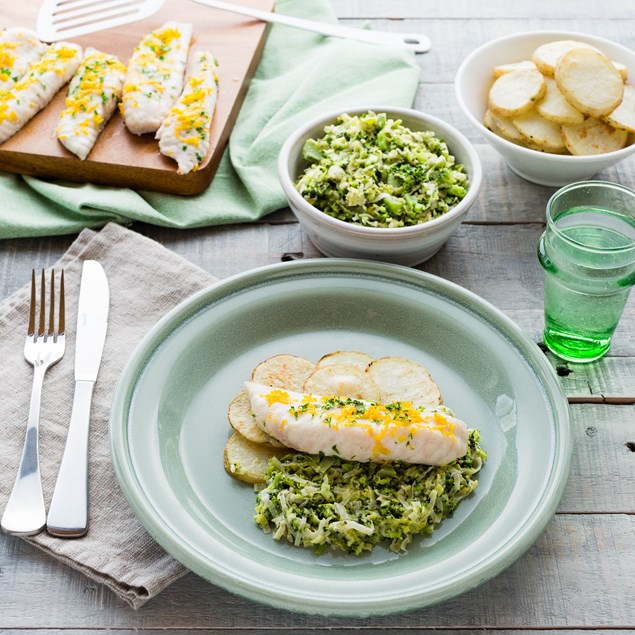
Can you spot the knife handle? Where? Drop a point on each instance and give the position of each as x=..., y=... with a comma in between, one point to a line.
x=68, y=514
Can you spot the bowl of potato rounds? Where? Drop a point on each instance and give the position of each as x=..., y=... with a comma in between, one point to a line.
x=558, y=106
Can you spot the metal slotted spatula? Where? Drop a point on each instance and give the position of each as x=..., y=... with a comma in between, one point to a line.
x=63, y=19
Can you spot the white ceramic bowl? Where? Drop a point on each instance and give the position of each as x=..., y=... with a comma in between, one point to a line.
x=472, y=84
x=400, y=245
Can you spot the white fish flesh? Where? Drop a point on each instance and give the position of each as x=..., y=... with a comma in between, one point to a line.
x=155, y=77
x=358, y=430
x=185, y=134
x=92, y=98
x=34, y=90
x=19, y=49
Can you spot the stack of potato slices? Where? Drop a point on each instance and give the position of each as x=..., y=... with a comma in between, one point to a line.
x=570, y=98
x=344, y=374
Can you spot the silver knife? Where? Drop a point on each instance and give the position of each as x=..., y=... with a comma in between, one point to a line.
x=68, y=514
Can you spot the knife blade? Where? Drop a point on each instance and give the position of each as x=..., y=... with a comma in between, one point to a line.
x=68, y=513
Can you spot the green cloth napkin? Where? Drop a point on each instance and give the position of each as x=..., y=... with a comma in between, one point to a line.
x=300, y=76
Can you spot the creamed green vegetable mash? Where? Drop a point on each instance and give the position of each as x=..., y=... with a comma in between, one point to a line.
x=372, y=170
x=324, y=501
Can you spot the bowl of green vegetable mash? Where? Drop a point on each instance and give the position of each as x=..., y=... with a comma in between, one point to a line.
x=379, y=183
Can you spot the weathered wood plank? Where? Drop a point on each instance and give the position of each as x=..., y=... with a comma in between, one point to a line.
x=491, y=10
x=18, y=257
x=497, y=262
x=453, y=39
x=505, y=198
x=603, y=466
x=576, y=576
x=609, y=378
x=327, y=629
x=311, y=631
x=623, y=342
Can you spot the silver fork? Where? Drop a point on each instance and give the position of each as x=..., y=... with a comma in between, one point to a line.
x=25, y=514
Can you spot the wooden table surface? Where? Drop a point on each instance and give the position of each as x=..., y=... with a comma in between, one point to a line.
x=580, y=574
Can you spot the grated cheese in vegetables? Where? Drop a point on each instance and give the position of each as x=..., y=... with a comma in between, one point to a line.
x=323, y=502
x=373, y=170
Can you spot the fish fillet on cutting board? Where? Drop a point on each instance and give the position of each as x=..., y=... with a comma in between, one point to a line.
x=119, y=157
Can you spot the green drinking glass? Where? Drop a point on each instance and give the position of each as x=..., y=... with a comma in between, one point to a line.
x=588, y=254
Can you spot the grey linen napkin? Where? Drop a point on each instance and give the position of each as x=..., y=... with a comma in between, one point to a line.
x=146, y=280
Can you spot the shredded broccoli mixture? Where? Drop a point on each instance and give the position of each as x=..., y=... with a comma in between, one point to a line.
x=372, y=170
x=320, y=502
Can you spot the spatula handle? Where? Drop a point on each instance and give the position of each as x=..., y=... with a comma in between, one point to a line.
x=413, y=41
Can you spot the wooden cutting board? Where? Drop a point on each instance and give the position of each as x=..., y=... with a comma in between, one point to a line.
x=120, y=158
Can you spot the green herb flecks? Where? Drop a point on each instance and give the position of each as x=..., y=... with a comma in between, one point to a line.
x=372, y=170
x=324, y=502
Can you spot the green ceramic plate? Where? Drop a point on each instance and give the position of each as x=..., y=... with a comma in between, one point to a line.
x=169, y=427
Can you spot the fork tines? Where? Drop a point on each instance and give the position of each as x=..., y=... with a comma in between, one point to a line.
x=41, y=330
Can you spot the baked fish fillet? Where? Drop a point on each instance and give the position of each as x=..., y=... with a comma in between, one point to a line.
x=35, y=90
x=19, y=48
x=92, y=98
x=185, y=133
x=155, y=77
x=358, y=430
